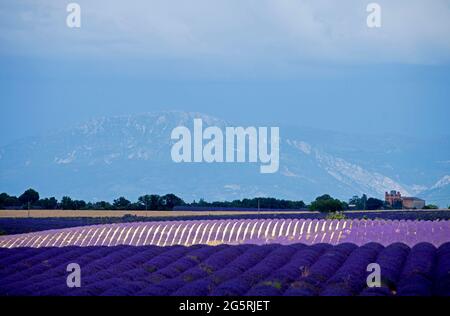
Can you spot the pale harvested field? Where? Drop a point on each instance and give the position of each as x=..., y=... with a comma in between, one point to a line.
x=67, y=213
x=150, y=214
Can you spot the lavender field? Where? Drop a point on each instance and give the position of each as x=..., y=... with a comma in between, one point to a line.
x=256, y=270
x=231, y=257
x=18, y=222
x=233, y=232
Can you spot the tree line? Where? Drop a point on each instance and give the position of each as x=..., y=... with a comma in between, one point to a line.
x=31, y=199
x=262, y=202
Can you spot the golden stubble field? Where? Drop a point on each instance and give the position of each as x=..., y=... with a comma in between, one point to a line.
x=150, y=214
x=91, y=213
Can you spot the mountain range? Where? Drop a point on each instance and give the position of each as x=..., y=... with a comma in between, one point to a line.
x=109, y=157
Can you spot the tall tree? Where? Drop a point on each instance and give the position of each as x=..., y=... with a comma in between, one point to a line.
x=48, y=203
x=374, y=204
x=67, y=203
x=169, y=201
x=29, y=197
x=121, y=203
x=325, y=203
x=149, y=201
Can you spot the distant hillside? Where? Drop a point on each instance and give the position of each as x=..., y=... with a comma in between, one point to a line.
x=130, y=156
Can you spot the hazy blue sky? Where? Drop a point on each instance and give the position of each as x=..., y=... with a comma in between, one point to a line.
x=258, y=62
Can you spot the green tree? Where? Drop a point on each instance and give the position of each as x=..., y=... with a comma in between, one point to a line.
x=29, y=197
x=79, y=205
x=374, y=204
x=102, y=205
x=261, y=202
x=359, y=202
x=325, y=203
x=149, y=201
x=431, y=207
x=169, y=201
x=67, y=203
x=121, y=203
x=3, y=199
x=12, y=201
x=364, y=202
x=324, y=197
x=202, y=203
x=48, y=203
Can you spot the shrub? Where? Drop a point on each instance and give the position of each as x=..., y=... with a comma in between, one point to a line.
x=336, y=215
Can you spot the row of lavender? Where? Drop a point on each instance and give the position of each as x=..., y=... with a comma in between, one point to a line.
x=272, y=269
x=16, y=225
x=214, y=232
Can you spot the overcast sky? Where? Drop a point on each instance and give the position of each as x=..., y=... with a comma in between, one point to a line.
x=278, y=62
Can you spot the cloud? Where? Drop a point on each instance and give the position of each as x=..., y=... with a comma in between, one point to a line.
x=232, y=31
